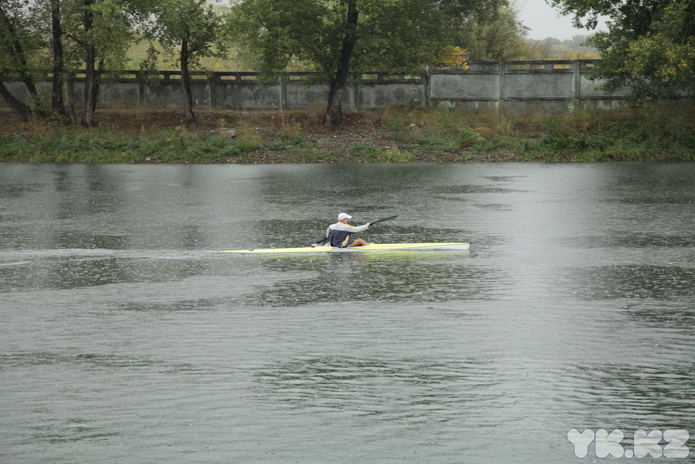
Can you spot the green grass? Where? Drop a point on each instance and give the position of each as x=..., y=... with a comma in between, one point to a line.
x=97, y=146
x=661, y=132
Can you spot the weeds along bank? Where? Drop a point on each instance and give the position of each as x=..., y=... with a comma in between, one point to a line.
x=392, y=135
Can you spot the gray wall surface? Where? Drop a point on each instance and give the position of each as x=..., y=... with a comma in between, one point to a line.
x=551, y=85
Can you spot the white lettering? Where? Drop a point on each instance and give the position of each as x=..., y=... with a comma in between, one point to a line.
x=580, y=441
x=647, y=443
x=609, y=443
x=675, y=444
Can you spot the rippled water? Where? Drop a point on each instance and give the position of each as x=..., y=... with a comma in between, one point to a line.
x=126, y=337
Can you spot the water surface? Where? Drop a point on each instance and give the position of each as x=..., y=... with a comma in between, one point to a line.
x=126, y=337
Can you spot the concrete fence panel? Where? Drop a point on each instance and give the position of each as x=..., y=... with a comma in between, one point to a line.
x=554, y=85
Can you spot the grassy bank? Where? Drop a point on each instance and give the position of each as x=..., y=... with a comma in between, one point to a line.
x=393, y=135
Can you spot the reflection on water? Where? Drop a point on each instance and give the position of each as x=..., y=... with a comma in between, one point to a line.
x=394, y=277
x=126, y=337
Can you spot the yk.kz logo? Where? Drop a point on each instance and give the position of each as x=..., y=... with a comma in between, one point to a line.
x=669, y=444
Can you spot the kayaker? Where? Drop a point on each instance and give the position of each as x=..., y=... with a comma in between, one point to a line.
x=339, y=234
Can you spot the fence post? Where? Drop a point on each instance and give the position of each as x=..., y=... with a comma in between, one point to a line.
x=141, y=88
x=212, y=83
x=577, y=84
x=283, y=92
x=427, y=83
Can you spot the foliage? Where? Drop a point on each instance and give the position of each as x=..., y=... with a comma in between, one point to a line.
x=334, y=37
x=195, y=29
x=493, y=35
x=392, y=35
x=21, y=41
x=575, y=48
x=649, y=45
x=112, y=32
x=95, y=35
x=150, y=56
x=191, y=21
x=21, y=44
x=453, y=57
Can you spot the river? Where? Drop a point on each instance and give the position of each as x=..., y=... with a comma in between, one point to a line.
x=126, y=337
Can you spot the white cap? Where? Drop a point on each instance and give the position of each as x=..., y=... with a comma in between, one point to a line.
x=342, y=216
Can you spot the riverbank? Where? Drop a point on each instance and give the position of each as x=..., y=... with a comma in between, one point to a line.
x=394, y=135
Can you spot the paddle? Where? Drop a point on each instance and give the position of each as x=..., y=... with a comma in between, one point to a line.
x=323, y=241
x=390, y=218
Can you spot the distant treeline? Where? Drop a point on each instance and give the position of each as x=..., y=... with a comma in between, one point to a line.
x=547, y=49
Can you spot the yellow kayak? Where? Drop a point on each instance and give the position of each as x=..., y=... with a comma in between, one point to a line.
x=361, y=249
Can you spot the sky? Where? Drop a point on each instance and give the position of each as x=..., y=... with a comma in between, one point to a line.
x=544, y=21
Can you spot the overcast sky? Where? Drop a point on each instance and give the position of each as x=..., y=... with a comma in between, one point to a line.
x=544, y=21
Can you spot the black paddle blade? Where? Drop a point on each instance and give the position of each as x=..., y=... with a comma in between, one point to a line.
x=390, y=218
x=320, y=242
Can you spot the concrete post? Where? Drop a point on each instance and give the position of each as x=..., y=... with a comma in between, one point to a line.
x=577, y=84
x=282, y=88
x=141, y=88
x=212, y=89
x=426, y=82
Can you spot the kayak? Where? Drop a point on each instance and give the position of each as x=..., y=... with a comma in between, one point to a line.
x=361, y=249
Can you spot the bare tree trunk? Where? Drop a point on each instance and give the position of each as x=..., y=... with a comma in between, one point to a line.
x=188, y=114
x=91, y=90
x=334, y=111
x=19, y=107
x=57, y=100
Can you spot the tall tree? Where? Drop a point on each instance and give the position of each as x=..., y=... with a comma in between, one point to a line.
x=93, y=70
x=195, y=29
x=104, y=33
x=335, y=37
x=58, y=87
x=649, y=46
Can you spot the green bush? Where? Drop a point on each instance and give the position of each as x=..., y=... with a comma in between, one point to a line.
x=468, y=137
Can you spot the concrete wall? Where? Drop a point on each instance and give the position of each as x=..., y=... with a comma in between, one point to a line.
x=550, y=85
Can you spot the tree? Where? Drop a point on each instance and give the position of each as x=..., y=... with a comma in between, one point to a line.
x=335, y=37
x=497, y=35
x=195, y=28
x=649, y=46
x=33, y=36
x=94, y=35
x=20, y=45
x=58, y=87
x=103, y=31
